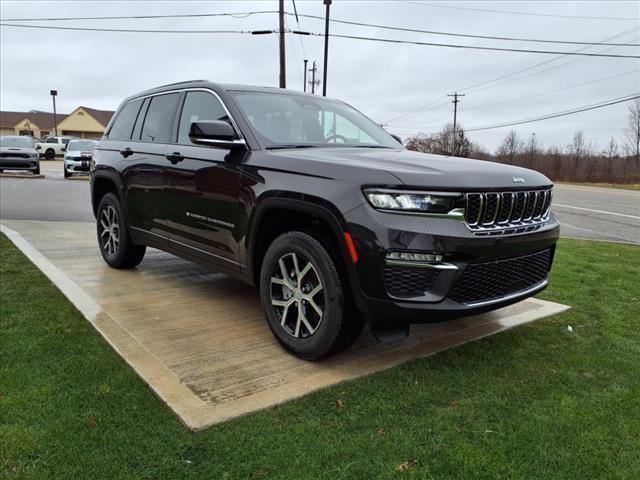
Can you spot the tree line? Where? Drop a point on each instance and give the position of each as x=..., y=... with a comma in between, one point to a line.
x=579, y=161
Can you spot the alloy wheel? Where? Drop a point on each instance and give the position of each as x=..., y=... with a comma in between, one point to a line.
x=297, y=295
x=109, y=230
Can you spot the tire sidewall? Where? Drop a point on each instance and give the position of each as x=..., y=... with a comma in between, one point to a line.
x=322, y=341
x=114, y=260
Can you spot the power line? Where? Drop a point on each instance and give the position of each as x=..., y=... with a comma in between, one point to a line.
x=451, y=34
x=130, y=30
x=510, y=12
x=139, y=17
x=475, y=86
x=472, y=47
x=548, y=92
x=606, y=103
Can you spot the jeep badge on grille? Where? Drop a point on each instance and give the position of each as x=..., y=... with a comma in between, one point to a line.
x=518, y=180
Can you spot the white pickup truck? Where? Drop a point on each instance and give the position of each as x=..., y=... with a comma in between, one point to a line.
x=52, y=147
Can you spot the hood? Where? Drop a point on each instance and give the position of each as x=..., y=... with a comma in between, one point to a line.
x=413, y=169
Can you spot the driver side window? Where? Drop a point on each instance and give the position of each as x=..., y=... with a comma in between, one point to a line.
x=198, y=106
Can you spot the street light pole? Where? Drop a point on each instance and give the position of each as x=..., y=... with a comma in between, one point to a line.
x=283, y=72
x=54, y=93
x=304, y=82
x=326, y=47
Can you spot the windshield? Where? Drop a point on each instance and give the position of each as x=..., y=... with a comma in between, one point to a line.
x=75, y=145
x=284, y=120
x=17, y=142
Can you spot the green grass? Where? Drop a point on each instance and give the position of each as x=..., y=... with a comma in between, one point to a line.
x=536, y=402
x=620, y=186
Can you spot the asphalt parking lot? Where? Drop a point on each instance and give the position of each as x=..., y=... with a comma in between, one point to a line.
x=586, y=212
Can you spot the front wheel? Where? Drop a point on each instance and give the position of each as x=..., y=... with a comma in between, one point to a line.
x=305, y=299
x=116, y=246
x=49, y=154
x=66, y=172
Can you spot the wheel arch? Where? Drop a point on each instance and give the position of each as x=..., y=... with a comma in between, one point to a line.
x=103, y=182
x=301, y=211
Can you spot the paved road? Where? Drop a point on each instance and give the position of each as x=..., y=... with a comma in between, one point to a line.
x=598, y=213
x=585, y=212
x=50, y=198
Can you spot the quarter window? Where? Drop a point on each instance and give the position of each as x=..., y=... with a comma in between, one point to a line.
x=123, y=125
x=158, y=121
x=199, y=106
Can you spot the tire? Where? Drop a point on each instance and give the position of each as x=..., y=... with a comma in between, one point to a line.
x=66, y=173
x=115, y=244
x=36, y=171
x=50, y=154
x=331, y=322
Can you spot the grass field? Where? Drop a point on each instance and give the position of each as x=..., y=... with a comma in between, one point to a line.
x=621, y=186
x=537, y=402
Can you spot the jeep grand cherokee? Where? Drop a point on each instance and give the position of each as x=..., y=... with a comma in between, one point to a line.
x=320, y=208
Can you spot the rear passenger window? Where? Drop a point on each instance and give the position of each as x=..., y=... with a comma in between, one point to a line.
x=158, y=122
x=198, y=106
x=123, y=125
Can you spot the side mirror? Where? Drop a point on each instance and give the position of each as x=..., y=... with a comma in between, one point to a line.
x=64, y=149
x=215, y=133
x=398, y=139
x=38, y=147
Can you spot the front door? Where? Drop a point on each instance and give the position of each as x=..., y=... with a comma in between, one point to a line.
x=202, y=187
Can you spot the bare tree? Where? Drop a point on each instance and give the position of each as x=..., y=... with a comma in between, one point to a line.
x=510, y=147
x=632, y=132
x=441, y=143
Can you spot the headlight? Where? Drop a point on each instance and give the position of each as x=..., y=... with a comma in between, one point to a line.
x=411, y=201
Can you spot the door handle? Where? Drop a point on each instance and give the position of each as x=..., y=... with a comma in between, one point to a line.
x=126, y=152
x=175, y=157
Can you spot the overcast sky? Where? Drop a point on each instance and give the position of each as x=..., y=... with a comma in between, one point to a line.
x=385, y=81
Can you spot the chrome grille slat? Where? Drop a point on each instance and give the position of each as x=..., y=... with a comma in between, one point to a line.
x=506, y=213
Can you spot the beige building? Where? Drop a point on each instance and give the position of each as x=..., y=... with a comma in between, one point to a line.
x=83, y=122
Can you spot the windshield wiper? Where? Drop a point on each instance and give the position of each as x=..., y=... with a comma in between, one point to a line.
x=368, y=146
x=297, y=145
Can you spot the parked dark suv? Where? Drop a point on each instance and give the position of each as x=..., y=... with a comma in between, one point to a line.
x=324, y=211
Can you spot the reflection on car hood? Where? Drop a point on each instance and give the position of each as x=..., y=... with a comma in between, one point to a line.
x=413, y=169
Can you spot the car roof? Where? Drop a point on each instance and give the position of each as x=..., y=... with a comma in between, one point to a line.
x=217, y=87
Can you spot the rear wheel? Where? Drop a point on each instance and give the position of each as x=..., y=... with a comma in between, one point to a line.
x=305, y=299
x=114, y=241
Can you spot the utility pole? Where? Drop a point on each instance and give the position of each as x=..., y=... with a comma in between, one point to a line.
x=314, y=82
x=54, y=93
x=283, y=71
x=304, y=83
x=326, y=47
x=455, y=117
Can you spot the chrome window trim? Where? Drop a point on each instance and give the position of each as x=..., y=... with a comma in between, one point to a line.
x=197, y=89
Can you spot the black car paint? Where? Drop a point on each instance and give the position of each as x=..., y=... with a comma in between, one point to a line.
x=208, y=206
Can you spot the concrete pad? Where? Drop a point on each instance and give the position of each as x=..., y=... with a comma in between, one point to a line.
x=199, y=338
x=21, y=175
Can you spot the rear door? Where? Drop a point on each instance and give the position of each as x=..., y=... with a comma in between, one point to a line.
x=143, y=174
x=202, y=186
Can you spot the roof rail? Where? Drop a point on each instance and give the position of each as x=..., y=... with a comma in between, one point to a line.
x=180, y=83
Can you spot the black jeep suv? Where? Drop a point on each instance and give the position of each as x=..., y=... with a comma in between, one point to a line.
x=319, y=207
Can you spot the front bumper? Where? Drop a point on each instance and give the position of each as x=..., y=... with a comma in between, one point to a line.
x=9, y=163
x=477, y=273
x=77, y=165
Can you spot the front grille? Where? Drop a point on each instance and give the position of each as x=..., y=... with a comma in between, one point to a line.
x=500, y=213
x=409, y=282
x=14, y=155
x=491, y=280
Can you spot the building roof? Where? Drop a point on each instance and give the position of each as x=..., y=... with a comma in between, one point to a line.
x=41, y=119
x=103, y=116
x=44, y=120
